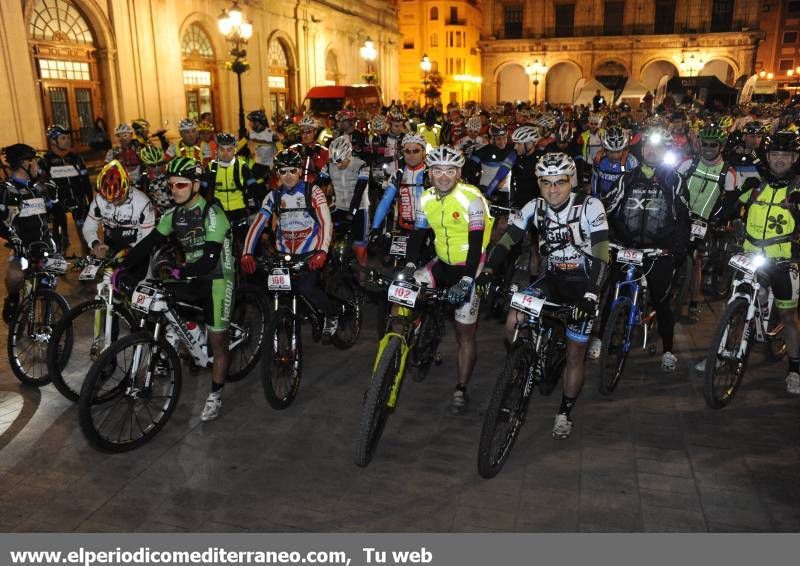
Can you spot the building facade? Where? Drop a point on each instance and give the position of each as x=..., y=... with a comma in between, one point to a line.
x=779, y=53
x=74, y=61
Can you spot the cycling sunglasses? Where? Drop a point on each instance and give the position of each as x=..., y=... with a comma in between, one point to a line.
x=415, y=150
x=444, y=173
x=179, y=184
x=288, y=171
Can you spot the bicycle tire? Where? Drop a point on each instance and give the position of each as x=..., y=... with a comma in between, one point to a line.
x=251, y=314
x=282, y=328
x=613, y=356
x=423, y=353
x=375, y=411
x=512, y=387
x=350, y=321
x=96, y=393
x=58, y=355
x=29, y=375
x=717, y=396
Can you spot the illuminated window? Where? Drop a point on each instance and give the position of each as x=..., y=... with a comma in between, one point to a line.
x=59, y=20
x=196, y=78
x=196, y=43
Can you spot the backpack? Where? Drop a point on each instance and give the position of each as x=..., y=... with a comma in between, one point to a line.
x=573, y=222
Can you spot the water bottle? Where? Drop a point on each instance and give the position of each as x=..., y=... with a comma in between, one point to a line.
x=195, y=332
x=763, y=302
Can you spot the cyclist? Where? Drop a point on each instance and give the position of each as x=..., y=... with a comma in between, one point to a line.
x=459, y=216
x=647, y=208
x=261, y=145
x=406, y=185
x=572, y=232
x=303, y=227
x=346, y=126
x=591, y=139
x=523, y=174
x=680, y=132
x=547, y=125
x=23, y=215
x=430, y=131
x=126, y=152
x=393, y=143
x=231, y=182
x=707, y=178
x=188, y=145
x=154, y=181
x=207, y=276
x=68, y=172
x=349, y=176
x=315, y=156
x=472, y=140
x=744, y=152
x=141, y=135
x=491, y=165
x=124, y=214
x=611, y=162
x=771, y=223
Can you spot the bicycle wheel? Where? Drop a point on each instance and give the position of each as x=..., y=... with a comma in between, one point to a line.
x=616, y=346
x=30, y=333
x=282, y=360
x=248, y=326
x=350, y=319
x=724, y=371
x=375, y=410
x=77, y=342
x=117, y=410
x=423, y=354
x=506, y=412
x=554, y=363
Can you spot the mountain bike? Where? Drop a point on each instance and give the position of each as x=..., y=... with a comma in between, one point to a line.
x=536, y=359
x=722, y=244
x=282, y=362
x=410, y=341
x=630, y=311
x=38, y=311
x=132, y=389
x=749, y=316
x=683, y=282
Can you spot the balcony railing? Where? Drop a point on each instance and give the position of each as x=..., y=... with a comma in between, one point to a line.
x=627, y=30
x=455, y=22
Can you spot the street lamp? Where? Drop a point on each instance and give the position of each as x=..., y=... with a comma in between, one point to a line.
x=463, y=79
x=535, y=71
x=237, y=31
x=692, y=66
x=426, y=67
x=369, y=53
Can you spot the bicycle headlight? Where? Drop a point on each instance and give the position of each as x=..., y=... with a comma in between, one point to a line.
x=287, y=257
x=759, y=260
x=670, y=158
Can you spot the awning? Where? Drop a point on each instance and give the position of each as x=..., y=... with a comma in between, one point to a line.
x=633, y=89
x=589, y=90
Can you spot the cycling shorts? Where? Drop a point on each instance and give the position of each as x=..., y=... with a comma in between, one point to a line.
x=566, y=290
x=438, y=274
x=215, y=296
x=785, y=282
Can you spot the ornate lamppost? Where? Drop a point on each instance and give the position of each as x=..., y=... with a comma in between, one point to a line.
x=426, y=66
x=369, y=53
x=535, y=71
x=237, y=31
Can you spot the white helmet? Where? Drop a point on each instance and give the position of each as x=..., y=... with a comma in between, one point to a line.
x=615, y=139
x=474, y=124
x=340, y=149
x=123, y=129
x=444, y=156
x=377, y=123
x=307, y=122
x=414, y=138
x=186, y=125
x=596, y=119
x=525, y=134
x=546, y=121
x=557, y=164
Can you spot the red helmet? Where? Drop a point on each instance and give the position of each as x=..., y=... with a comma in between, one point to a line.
x=113, y=182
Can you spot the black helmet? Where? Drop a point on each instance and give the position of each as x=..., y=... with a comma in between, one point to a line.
x=755, y=127
x=56, y=130
x=224, y=138
x=17, y=153
x=288, y=158
x=782, y=141
x=257, y=116
x=497, y=130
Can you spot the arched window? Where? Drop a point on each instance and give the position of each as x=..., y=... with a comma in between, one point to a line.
x=199, y=74
x=331, y=68
x=434, y=40
x=434, y=13
x=64, y=50
x=279, y=78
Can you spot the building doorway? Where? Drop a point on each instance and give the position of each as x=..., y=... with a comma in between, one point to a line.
x=199, y=74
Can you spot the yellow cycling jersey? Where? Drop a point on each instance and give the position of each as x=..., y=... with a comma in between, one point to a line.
x=769, y=227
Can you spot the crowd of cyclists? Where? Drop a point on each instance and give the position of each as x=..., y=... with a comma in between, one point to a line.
x=468, y=186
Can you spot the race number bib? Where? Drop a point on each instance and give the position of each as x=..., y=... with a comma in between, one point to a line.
x=404, y=293
x=89, y=272
x=527, y=303
x=630, y=256
x=399, y=246
x=279, y=280
x=142, y=298
x=56, y=264
x=699, y=229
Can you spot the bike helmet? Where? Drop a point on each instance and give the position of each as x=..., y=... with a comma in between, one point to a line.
x=288, y=158
x=345, y=115
x=713, y=133
x=624, y=107
x=225, y=138
x=377, y=123
x=122, y=130
x=257, y=116
x=17, y=153
x=140, y=124
x=414, y=138
x=615, y=139
x=546, y=121
x=184, y=167
x=782, y=141
x=292, y=130
x=557, y=164
x=444, y=156
x=308, y=122
x=186, y=125
x=340, y=149
x=525, y=134
x=473, y=124
x=113, y=182
x=657, y=136
x=564, y=133
x=596, y=119
x=205, y=126
x=755, y=127
x=726, y=122
x=496, y=130
x=151, y=155
x=396, y=115
x=56, y=130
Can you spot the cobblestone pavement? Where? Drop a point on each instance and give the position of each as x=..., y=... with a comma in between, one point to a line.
x=651, y=458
